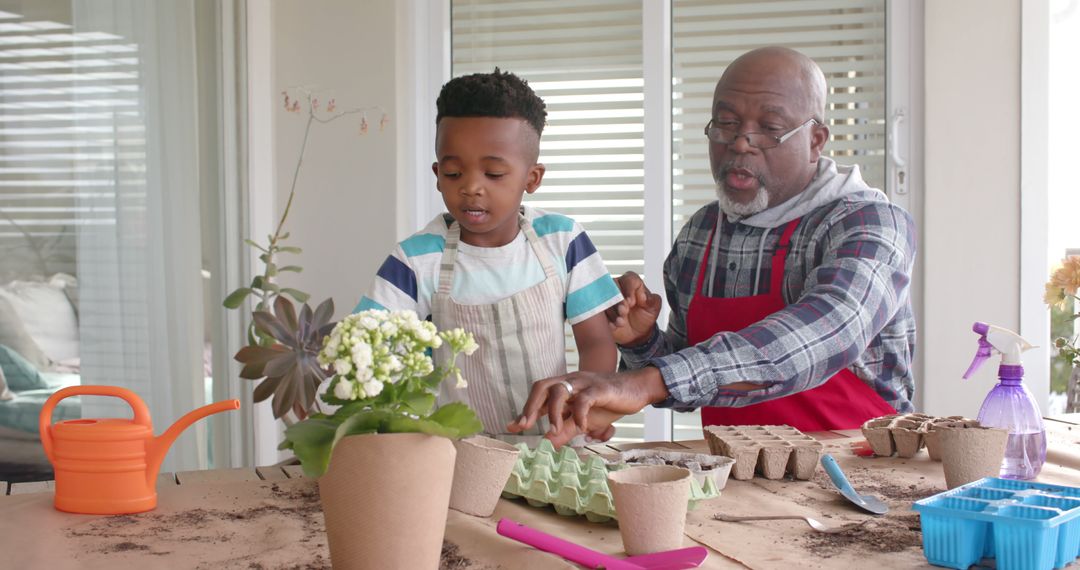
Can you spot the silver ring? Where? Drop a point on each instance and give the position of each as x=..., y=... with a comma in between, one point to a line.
x=569, y=387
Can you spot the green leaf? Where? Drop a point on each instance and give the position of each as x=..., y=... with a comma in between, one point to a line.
x=271, y=269
x=293, y=268
x=290, y=249
x=300, y=296
x=266, y=257
x=432, y=381
x=405, y=424
x=459, y=418
x=284, y=236
x=369, y=421
x=257, y=282
x=237, y=297
x=348, y=407
x=420, y=404
x=254, y=245
x=312, y=440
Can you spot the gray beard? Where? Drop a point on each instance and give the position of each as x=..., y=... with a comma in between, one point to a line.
x=737, y=210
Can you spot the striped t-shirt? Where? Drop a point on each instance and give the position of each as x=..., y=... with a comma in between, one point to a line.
x=482, y=275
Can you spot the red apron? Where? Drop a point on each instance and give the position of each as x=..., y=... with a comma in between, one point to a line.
x=842, y=402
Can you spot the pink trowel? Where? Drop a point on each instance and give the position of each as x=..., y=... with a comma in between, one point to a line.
x=670, y=560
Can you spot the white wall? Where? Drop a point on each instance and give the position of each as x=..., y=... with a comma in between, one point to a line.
x=344, y=215
x=971, y=233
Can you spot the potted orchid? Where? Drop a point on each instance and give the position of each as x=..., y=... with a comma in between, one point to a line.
x=385, y=454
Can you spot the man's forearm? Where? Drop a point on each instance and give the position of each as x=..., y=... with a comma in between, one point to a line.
x=637, y=355
x=650, y=383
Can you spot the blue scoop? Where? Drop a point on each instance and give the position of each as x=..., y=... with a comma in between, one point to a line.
x=867, y=502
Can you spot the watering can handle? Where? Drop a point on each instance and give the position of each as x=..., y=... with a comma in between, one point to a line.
x=142, y=414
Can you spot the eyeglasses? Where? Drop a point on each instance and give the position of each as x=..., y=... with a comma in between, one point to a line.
x=728, y=134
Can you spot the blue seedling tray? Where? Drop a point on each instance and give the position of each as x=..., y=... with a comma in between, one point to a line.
x=1022, y=524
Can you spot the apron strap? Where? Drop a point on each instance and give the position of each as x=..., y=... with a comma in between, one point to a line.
x=776, y=280
x=449, y=257
x=538, y=248
x=453, y=238
x=705, y=256
x=778, y=257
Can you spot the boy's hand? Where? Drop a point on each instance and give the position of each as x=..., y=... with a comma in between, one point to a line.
x=633, y=319
x=600, y=428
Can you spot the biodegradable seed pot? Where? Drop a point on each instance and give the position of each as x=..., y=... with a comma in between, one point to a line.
x=386, y=498
x=771, y=450
x=650, y=503
x=930, y=433
x=481, y=470
x=906, y=436
x=877, y=433
x=970, y=453
x=773, y=460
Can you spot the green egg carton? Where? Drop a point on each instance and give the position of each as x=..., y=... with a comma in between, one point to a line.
x=575, y=486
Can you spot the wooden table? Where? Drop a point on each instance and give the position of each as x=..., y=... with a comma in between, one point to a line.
x=227, y=513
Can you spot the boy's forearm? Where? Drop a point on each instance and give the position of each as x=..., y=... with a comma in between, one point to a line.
x=596, y=348
x=598, y=357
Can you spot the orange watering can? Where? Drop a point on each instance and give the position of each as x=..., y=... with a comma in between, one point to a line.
x=110, y=466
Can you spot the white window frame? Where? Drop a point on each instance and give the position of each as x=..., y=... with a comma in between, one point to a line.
x=1034, y=195
x=261, y=99
x=426, y=24
x=904, y=85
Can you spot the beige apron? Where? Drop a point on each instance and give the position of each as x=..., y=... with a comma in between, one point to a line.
x=520, y=340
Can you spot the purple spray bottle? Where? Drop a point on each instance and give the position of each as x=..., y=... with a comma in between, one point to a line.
x=1010, y=405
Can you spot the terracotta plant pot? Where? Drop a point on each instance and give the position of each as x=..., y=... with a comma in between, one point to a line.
x=970, y=453
x=386, y=498
x=650, y=503
x=481, y=470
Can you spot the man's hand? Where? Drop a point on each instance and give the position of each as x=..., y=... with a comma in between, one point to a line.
x=600, y=427
x=633, y=319
x=596, y=402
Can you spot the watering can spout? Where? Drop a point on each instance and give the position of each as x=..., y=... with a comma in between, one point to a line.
x=160, y=445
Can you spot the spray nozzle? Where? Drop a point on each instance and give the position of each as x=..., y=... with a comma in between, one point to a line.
x=993, y=338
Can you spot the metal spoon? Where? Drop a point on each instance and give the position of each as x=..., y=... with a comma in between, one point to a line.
x=814, y=523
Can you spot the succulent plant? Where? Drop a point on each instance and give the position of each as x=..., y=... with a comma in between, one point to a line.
x=289, y=368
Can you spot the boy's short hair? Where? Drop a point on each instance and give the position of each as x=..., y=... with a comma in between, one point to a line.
x=497, y=94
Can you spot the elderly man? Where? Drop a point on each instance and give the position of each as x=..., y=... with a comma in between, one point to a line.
x=789, y=295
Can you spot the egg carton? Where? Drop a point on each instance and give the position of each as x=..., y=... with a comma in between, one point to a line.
x=772, y=451
x=906, y=434
x=1021, y=524
x=714, y=468
x=573, y=485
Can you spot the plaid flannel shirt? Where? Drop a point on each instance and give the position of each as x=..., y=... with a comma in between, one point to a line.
x=846, y=287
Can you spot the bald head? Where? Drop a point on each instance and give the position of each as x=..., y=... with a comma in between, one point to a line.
x=777, y=94
x=782, y=71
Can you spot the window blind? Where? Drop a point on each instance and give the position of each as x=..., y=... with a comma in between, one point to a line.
x=62, y=92
x=845, y=37
x=584, y=58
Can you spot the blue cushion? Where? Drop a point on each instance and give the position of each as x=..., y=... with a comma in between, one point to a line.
x=20, y=374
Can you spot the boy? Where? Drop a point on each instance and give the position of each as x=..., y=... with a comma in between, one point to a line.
x=510, y=275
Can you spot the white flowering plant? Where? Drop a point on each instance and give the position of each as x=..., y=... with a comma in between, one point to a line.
x=385, y=381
